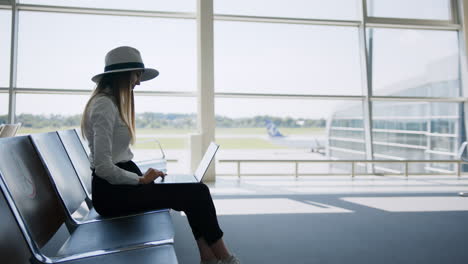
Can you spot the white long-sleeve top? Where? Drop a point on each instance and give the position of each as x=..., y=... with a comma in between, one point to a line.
x=109, y=141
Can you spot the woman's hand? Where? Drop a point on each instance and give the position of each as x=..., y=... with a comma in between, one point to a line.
x=151, y=175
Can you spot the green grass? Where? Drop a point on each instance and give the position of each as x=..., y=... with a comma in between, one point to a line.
x=226, y=143
x=174, y=131
x=232, y=131
x=262, y=131
x=246, y=143
x=183, y=142
x=166, y=143
x=164, y=131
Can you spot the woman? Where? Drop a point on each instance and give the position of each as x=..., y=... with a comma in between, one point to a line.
x=119, y=187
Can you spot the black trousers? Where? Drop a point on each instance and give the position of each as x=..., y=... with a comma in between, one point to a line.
x=192, y=198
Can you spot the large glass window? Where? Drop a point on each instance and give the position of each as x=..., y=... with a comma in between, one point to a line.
x=409, y=62
x=5, y=43
x=64, y=51
x=415, y=9
x=286, y=59
x=49, y=112
x=3, y=108
x=170, y=121
x=145, y=5
x=286, y=129
x=316, y=9
x=418, y=131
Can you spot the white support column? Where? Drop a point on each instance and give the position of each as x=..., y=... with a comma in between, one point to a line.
x=366, y=78
x=205, y=97
x=13, y=63
x=462, y=17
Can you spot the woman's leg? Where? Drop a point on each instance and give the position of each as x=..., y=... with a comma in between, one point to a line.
x=220, y=250
x=196, y=201
x=206, y=254
x=192, y=198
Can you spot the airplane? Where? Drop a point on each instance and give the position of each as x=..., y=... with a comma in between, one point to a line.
x=315, y=144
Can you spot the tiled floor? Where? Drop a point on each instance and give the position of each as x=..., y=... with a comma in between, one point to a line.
x=256, y=195
x=338, y=219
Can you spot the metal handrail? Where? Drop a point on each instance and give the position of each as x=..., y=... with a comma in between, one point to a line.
x=461, y=150
x=353, y=165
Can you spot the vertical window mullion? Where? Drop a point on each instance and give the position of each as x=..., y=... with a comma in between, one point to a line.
x=13, y=63
x=366, y=70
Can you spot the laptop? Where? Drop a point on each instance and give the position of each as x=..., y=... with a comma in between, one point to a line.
x=199, y=172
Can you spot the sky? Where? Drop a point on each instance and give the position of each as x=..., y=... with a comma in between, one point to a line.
x=65, y=51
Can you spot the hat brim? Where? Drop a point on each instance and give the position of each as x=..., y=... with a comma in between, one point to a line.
x=148, y=74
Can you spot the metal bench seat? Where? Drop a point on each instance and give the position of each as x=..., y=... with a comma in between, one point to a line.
x=18, y=246
x=120, y=232
x=35, y=196
x=68, y=184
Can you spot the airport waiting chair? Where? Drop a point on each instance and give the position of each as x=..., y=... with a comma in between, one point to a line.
x=36, y=198
x=69, y=187
x=78, y=156
x=24, y=232
x=9, y=130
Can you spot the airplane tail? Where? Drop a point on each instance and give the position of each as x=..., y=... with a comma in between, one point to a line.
x=273, y=130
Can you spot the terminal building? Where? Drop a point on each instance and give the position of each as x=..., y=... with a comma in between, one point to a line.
x=405, y=130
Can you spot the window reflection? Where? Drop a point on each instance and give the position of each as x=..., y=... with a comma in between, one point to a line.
x=414, y=62
x=415, y=130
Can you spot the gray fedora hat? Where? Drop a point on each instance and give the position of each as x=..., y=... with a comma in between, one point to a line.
x=123, y=59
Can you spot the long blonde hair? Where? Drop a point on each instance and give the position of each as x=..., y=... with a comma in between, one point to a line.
x=119, y=88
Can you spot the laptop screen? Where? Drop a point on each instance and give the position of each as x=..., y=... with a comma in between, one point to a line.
x=206, y=161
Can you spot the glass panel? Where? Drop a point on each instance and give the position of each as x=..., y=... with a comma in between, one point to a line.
x=415, y=9
x=417, y=131
x=318, y=9
x=49, y=112
x=286, y=59
x=262, y=129
x=145, y=5
x=70, y=49
x=414, y=62
x=5, y=44
x=3, y=108
x=169, y=120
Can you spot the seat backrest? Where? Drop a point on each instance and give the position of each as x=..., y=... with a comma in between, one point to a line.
x=30, y=188
x=60, y=169
x=83, y=141
x=13, y=246
x=9, y=130
x=77, y=155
